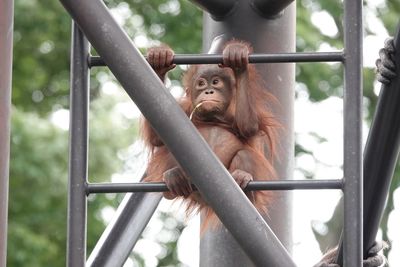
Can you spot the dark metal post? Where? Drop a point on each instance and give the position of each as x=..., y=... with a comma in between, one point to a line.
x=78, y=150
x=178, y=133
x=218, y=248
x=122, y=233
x=352, y=166
x=6, y=44
x=381, y=152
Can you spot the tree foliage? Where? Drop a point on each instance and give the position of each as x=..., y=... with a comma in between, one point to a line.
x=38, y=183
x=41, y=56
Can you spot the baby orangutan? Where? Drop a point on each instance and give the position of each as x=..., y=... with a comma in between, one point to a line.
x=229, y=107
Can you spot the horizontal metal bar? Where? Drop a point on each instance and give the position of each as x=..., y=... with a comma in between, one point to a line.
x=254, y=185
x=188, y=59
x=295, y=185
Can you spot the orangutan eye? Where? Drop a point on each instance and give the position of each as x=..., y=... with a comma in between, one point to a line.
x=201, y=83
x=215, y=81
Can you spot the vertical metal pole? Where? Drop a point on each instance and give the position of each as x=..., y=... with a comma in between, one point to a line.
x=78, y=150
x=218, y=248
x=6, y=41
x=352, y=166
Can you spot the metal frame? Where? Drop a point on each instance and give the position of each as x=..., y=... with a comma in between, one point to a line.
x=143, y=86
x=385, y=128
x=6, y=52
x=130, y=68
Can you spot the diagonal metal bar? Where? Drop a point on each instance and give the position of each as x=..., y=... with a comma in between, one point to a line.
x=179, y=134
x=338, y=56
x=254, y=185
x=117, y=241
x=383, y=144
x=121, y=234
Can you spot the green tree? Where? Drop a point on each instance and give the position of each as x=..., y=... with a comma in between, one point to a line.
x=38, y=183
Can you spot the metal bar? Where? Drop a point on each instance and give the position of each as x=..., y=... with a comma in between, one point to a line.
x=217, y=8
x=78, y=150
x=117, y=241
x=338, y=56
x=295, y=185
x=352, y=166
x=6, y=52
x=381, y=154
x=178, y=133
x=254, y=185
x=270, y=8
